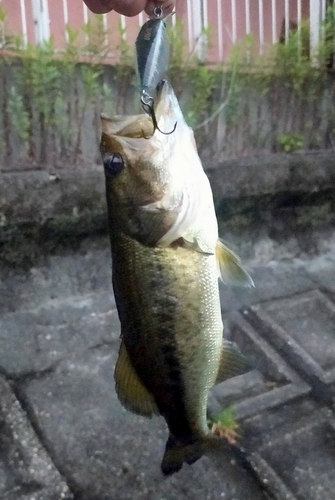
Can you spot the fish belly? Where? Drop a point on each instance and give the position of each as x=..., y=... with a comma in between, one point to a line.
x=169, y=308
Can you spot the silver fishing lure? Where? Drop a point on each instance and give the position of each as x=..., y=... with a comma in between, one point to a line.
x=152, y=58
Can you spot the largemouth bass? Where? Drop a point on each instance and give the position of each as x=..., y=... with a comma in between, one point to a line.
x=166, y=258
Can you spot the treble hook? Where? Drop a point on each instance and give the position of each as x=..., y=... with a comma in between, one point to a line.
x=148, y=106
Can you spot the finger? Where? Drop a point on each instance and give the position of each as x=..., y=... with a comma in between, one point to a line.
x=127, y=7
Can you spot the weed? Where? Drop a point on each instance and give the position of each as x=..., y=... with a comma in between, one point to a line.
x=291, y=142
x=277, y=100
x=225, y=425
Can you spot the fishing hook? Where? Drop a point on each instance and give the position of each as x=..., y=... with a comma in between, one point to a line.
x=148, y=106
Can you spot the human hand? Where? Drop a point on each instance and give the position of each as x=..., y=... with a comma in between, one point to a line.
x=130, y=7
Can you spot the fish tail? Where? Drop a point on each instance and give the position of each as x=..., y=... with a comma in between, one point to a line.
x=216, y=446
x=177, y=454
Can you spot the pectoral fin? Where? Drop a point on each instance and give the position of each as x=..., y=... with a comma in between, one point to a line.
x=198, y=245
x=131, y=392
x=232, y=362
x=230, y=267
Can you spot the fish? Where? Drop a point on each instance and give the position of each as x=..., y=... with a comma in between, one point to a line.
x=166, y=260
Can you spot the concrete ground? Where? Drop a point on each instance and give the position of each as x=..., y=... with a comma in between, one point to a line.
x=64, y=434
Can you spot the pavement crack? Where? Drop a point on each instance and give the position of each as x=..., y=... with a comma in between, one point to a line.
x=4, y=373
x=108, y=343
x=18, y=385
x=25, y=377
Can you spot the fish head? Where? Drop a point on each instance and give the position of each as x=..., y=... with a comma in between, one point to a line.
x=126, y=153
x=154, y=177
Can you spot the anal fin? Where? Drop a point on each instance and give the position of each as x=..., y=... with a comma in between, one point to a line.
x=232, y=363
x=132, y=393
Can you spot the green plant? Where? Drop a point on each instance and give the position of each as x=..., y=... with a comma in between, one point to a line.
x=291, y=142
x=39, y=76
x=2, y=27
x=71, y=54
x=188, y=72
x=225, y=425
x=202, y=81
x=18, y=115
x=3, y=220
x=48, y=98
x=96, y=36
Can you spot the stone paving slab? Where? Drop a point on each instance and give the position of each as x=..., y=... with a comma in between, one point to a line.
x=26, y=470
x=60, y=276
x=302, y=329
x=59, y=347
x=89, y=271
x=108, y=453
x=297, y=458
x=57, y=329
x=271, y=383
x=321, y=270
x=272, y=281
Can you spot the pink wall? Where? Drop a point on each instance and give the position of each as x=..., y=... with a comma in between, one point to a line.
x=14, y=18
x=57, y=22
x=76, y=20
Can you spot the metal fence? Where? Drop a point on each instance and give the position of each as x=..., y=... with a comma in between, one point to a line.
x=229, y=20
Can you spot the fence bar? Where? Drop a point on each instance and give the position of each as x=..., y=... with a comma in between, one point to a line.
x=247, y=17
x=140, y=19
x=41, y=19
x=105, y=25
x=66, y=19
x=299, y=15
x=233, y=20
x=65, y=12
x=205, y=13
x=197, y=19
x=274, y=21
x=220, y=29
x=123, y=27
x=314, y=23
x=261, y=26
x=190, y=25
x=85, y=12
x=287, y=20
x=323, y=10
x=24, y=22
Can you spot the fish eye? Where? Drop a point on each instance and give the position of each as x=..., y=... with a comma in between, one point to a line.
x=113, y=164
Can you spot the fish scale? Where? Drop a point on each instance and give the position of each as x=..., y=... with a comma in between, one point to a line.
x=171, y=304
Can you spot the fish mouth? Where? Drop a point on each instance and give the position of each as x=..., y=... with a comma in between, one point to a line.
x=134, y=127
x=166, y=113
x=167, y=108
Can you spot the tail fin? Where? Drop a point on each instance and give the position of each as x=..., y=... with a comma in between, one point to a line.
x=176, y=454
